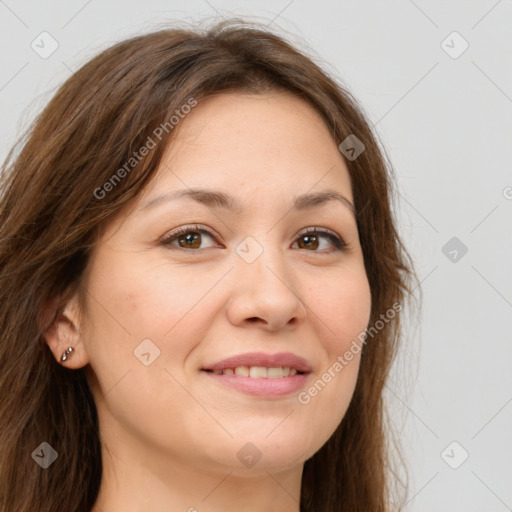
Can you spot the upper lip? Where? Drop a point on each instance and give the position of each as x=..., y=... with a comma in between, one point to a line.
x=284, y=359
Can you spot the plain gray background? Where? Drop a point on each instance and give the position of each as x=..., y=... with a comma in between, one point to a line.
x=445, y=120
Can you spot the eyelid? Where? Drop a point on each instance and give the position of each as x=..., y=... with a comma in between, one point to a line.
x=320, y=230
x=173, y=234
x=336, y=239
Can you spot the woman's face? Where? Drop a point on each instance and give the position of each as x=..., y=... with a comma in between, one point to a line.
x=242, y=278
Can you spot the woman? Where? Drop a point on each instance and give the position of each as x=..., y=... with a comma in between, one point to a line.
x=201, y=284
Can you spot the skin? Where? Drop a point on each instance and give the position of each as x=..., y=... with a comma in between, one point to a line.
x=170, y=434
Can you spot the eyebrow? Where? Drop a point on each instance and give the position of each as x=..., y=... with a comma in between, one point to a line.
x=218, y=199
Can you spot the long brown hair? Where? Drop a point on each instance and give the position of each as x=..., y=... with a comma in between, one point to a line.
x=51, y=214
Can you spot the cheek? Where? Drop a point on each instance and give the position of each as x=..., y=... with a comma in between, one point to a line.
x=342, y=312
x=342, y=309
x=134, y=311
x=135, y=302
x=144, y=299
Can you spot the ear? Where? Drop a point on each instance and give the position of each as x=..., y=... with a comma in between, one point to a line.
x=64, y=332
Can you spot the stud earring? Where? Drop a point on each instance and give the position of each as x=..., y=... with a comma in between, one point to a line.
x=66, y=354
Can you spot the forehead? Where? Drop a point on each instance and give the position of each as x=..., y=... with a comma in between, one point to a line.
x=252, y=145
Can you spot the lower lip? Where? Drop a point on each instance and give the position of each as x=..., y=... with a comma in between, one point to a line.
x=261, y=387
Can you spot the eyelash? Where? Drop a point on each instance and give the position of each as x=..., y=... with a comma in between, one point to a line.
x=337, y=241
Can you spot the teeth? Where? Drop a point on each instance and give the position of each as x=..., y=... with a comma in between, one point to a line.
x=275, y=373
x=243, y=371
x=259, y=372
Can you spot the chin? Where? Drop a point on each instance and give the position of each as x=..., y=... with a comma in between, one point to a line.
x=257, y=450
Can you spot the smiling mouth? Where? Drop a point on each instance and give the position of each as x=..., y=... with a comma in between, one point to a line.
x=259, y=372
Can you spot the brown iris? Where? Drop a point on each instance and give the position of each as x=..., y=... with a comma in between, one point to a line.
x=311, y=241
x=192, y=240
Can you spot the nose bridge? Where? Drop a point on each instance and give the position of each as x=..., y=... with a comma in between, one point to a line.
x=263, y=262
x=265, y=286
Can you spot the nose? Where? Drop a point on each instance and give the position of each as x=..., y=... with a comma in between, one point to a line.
x=264, y=294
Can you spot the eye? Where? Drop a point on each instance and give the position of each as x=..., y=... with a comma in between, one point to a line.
x=311, y=239
x=187, y=237
x=191, y=237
